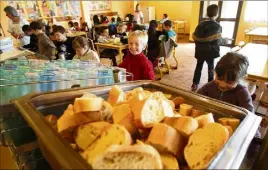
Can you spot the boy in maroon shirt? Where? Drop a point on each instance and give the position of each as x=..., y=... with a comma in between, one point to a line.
x=135, y=61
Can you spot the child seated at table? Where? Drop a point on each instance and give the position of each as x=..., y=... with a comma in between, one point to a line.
x=168, y=29
x=45, y=46
x=121, y=33
x=63, y=43
x=33, y=38
x=107, y=53
x=228, y=84
x=83, y=52
x=112, y=27
x=76, y=26
x=71, y=26
x=136, y=62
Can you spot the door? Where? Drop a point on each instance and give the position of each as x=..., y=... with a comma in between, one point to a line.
x=228, y=17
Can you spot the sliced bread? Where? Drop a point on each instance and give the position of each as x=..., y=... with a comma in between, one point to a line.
x=169, y=161
x=185, y=125
x=204, y=120
x=204, y=144
x=116, y=95
x=165, y=139
x=232, y=122
x=106, y=111
x=86, y=134
x=139, y=156
x=115, y=134
x=87, y=104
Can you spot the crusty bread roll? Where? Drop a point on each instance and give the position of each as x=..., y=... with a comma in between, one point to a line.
x=116, y=95
x=204, y=144
x=178, y=101
x=230, y=130
x=139, y=156
x=185, y=109
x=86, y=134
x=232, y=122
x=165, y=139
x=87, y=104
x=169, y=161
x=147, y=113
x=115, y=134
x=204, y=120
x=123, y=115
x=185, y=125
x=196, y=113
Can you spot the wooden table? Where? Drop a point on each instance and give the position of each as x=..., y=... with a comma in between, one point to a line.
x=258, y=60
x=112, y=46
x=76, y=34
x=259, y=33
x=15, y=53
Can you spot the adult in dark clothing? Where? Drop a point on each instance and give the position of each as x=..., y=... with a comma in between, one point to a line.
x=33, y=38
x=63, y=43
x=207, y=37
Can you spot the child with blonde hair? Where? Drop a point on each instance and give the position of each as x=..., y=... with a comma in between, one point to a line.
x=135, y=61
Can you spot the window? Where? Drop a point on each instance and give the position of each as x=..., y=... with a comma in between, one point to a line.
x=256, y=11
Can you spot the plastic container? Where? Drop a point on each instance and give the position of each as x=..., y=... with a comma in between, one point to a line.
x=32, y=76
x=47, y=82
x=23, y=62
x=10, y=62
x=105, y=76
x=17, y=79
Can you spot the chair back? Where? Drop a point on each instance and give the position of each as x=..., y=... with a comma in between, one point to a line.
x=91, y=45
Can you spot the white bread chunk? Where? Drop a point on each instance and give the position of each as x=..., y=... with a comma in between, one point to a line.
x=87, y=104
x=106, y=111
x=204, y=144
x=136, y=98
x=70, y=120
x=167, y=107
x=232, y=122
x=165, y=139
x=88, y=95
x=172, y=104
x=139, y=156
x=169, y=161
x=185, y=109
x=86, y=134
x=185, y=125
x=115, y=134
x=116, y=95
x=133, y=92
x=204, y=120
x=123, y=115
x=147, y=113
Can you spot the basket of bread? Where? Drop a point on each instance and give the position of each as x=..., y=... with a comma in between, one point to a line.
x=141, y=128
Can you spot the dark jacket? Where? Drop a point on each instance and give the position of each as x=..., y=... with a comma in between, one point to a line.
x=45, y=46
x=33, y=43
x=207, y=37
x=238, y=96
x=66, y=48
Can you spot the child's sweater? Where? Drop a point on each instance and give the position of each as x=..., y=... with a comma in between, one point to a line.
x=139, y=66
x=238, y=96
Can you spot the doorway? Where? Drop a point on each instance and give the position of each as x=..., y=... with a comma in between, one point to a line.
x=228, y=17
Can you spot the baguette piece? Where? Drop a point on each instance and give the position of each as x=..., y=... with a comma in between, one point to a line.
x=87, y=104
x=115, y=134
x=185, y=125
x=169, y=161
x=185, y=109
x=147, y=113
x=230, y=130
x=123, y=115
x=116, y=95
x=204, y=120
x=204, y=144
x=178, y=101
x=165, y=139
x=195, y=113
x=88, y=95
x=106, y=111
x=232, y=122
x=140, y=156
x=86, y=134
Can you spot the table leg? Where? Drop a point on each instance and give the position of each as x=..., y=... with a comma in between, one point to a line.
x=120, y=55
x=98, y=49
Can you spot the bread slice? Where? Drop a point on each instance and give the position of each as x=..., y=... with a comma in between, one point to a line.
x=204, y=144
x=230, y=130
x=232, y=122
x=147, y=113
x=106, y=111
x=136, y=98
x=88, y=95
x=178, y=101
x=185, y=109
x=185, y=125
x=87, y=104
x=196, y=113
x=204, y=120
x=165, y=139
x=115, y=134
x=169, y=161
x=133, y=92
x=139, y=156
x=123, y=115
x=86, y=134
x=116, y=95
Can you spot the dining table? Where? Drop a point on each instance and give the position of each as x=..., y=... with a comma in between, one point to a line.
x=257, y=34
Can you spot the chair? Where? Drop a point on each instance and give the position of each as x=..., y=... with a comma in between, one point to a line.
x=91, y=45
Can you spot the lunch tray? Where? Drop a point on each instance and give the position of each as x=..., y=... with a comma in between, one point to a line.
x=60, y=155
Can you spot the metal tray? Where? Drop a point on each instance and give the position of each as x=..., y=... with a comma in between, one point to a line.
x=59, y=153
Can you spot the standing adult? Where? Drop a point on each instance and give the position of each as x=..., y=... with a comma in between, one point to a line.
x=15, y=24
x=138, y=15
